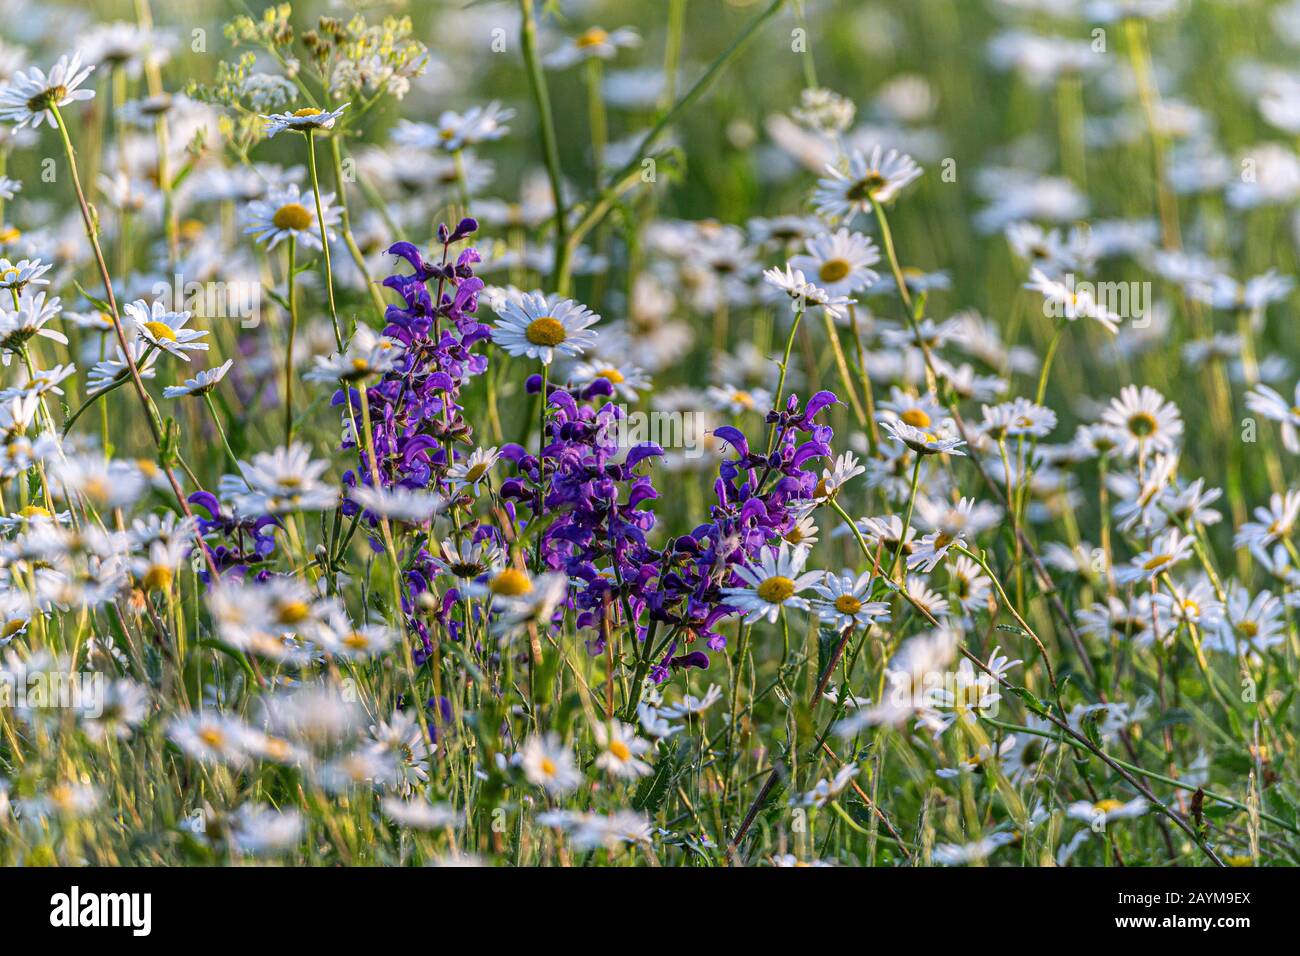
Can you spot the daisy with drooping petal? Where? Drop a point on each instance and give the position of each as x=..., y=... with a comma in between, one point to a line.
x=308, y=119
x=531, y=326
x=840, y=261
x=803, y=293
x=31, y=96
x=772, y=584
x=878, y=177
x=1064, y=299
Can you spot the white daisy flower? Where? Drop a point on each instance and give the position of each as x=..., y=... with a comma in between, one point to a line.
x=469, y=473
x=1267, y=402
x=621, y=750
x=626, y=380
x=200, y=384
x=1143, y=421
x=878, y=176
x=286, y=212
x=772, y=584
x=165, y=329
x=803, y=293
x=845, y=600
x=308, y=119
x=840, y=261
x=592, y=43
x=17, y=276
x=454, y=131
x=1166, y=551
x=27, y=319
x=549, y=764
x=30, y=96
x=921, y=441
x=532, y=327
x=367, y=354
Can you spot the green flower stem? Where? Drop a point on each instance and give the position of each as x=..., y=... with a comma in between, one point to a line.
x=291, y=290
x=324, y=239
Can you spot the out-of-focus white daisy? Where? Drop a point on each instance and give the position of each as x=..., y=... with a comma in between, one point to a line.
x=404, y=504
x=454, y=131
x=594, y=42
x=367, y=354
x=1267, y=402
x=549, y=764
x=621, y=750
x=877, y=176
x=626, y=380
x=737, y=401
x=285, y=213
x=279, y=482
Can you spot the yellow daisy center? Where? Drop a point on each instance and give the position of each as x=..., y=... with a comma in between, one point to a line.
x=510, y=583
x=916, y=418
x=776, y=589
x=546, y=330
x=477, y=472
x=1159, y=561
x=356, y=641
x=12, y=627
x=548, y=766
x=291, y=612
x=161, y=330
x=307, y=111
x=293, y=216
x=619, y=750
x=593, y=37
x=848, y=604
x=158, y=578
x=1107, y=806
x=613, y=374
x=1142, y=424
x=833, y=270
